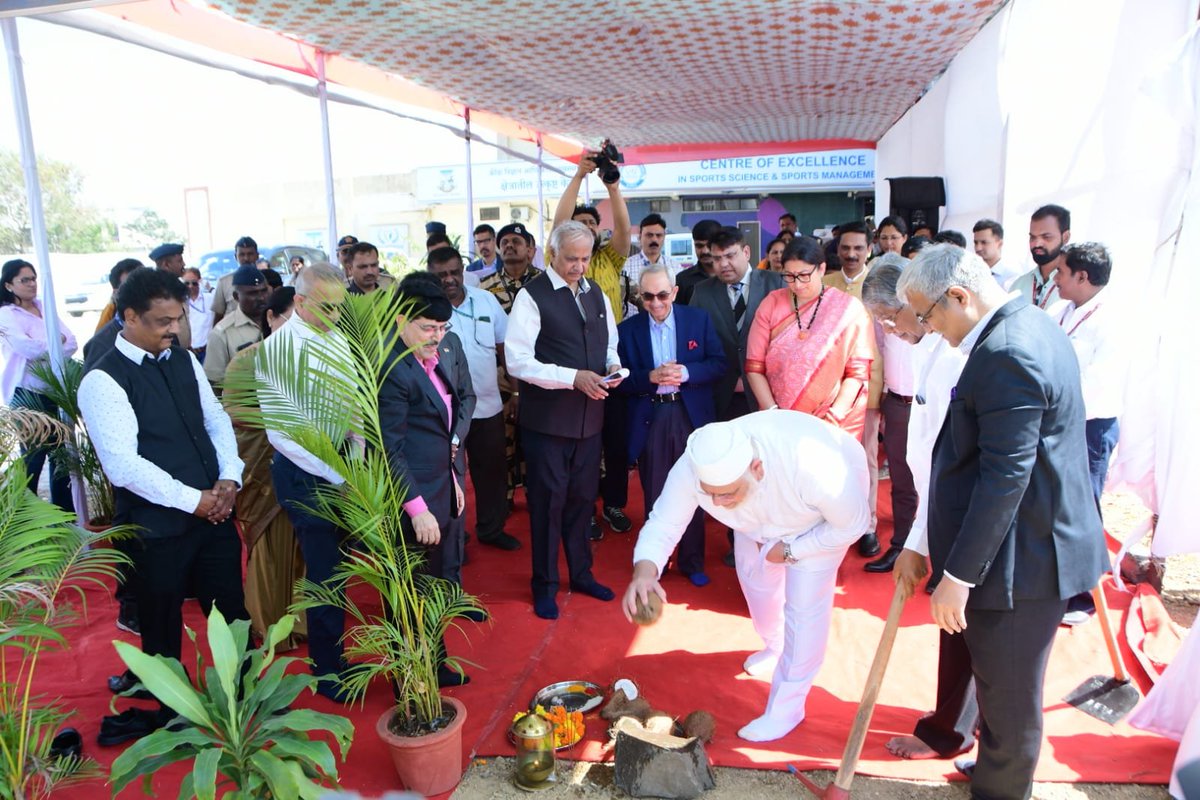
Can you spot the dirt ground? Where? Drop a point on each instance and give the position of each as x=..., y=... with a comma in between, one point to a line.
x=491, y=779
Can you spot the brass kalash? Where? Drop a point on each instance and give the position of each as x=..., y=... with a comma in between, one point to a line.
x=533, y=737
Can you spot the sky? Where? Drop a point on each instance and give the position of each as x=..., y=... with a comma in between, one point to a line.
x=143, y=126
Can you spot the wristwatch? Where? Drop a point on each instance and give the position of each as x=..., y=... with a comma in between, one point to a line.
x=788, y=558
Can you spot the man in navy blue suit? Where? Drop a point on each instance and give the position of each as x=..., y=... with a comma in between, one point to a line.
x=674, y=358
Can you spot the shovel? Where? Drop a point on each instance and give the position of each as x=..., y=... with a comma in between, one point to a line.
x=1107, y=698
x=840, y=788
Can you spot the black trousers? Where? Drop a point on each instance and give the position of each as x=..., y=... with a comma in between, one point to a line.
x=321, y=544
x=614, y=486
x=207, y=557
x=561, y=479
x=35, y=458
x=485, y=449
x=895, y=414
x=665, y=443
x=1009, y=651
x=951, y=728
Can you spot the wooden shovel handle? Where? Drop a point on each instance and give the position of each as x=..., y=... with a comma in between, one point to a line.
x=1109, y=638
x=866, y=707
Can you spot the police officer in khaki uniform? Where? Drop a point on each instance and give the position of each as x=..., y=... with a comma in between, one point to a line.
x=241, y=328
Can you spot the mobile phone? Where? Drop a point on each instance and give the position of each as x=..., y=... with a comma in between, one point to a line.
x=616, y=376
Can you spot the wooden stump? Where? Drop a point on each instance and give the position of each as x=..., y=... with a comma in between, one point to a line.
x=649, y=764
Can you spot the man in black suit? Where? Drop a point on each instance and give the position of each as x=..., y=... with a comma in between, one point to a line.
x=425, y=405
x=731, y=296
x=674, y=358
x=1013, y=528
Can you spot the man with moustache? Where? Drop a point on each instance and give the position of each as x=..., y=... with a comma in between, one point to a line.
x=787, y=224
x=853, y=249
x=245, y=251
x=950, y=728
x=1011, y=532
x=516, y=251
x=481, y=325
x=703, y=269
x=1049, y=231
x=240, y=329
x=485, y=245
x=365, y=276
x=562, y=343
x=652, y=233
x=168, y=258
x=168, y=448
x=343, y=252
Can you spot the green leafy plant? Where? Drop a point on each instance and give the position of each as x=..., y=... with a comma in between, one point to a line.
x=76, y=453
x=45, y=564
x=243, y=739
x=309, y=398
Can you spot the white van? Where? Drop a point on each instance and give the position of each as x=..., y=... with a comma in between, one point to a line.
x=680, y=249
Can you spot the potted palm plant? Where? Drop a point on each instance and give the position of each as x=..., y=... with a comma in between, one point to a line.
x=45, y=563
x=401, y=641
x=75, y=452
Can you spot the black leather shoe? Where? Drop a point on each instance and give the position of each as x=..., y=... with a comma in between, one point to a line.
x=868, y=545
x=884, y=563
x=127, y=619
x=67, y=743
x=447, y=677
x=132, y=723
x=502, y=541
x=120, y=684
x=594, y=533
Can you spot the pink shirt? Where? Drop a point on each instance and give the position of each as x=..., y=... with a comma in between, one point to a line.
x=417, y=505
x=23, y=341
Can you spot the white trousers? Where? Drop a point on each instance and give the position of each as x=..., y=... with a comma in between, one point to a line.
x=791, y=608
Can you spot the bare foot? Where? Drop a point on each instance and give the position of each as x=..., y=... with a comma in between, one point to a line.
x=910, y=747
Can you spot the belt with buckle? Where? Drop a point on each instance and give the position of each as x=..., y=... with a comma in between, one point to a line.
x=671, y=397
x=903, y=398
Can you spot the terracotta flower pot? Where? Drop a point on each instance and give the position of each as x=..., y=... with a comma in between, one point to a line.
x=429, y=764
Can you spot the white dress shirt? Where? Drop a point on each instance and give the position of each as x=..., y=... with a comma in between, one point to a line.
x=524, y=325
x=324, y=349
x=481, y=324
x=936, y=367
x=813, y=494
x=1006, y=271
x=113, y=428
x=200, y=317
x=23, y=342
x=898, y=367
x=1098, y=345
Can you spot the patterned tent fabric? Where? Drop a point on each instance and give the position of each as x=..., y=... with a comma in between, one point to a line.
x=648, y=72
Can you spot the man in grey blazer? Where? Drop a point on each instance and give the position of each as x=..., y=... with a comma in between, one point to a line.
x=425, y=405
x=1013, y=528
x=731, y=296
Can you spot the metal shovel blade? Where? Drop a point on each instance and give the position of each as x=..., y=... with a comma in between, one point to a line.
x=1105, y=698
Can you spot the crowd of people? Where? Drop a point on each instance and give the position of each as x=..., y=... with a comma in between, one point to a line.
x=755, y=388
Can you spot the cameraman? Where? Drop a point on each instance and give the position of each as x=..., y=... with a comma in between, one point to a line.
x=605, y=270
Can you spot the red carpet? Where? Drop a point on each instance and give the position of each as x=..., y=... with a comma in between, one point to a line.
x=691, y=659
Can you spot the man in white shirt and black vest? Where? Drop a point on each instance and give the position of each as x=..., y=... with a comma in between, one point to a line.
x=562, y=342
x=168, y=448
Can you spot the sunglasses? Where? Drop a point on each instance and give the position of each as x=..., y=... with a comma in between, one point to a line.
x=661, y=297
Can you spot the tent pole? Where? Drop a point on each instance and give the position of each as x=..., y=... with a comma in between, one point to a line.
x=327, y=156
x=541, y=197
x=470, y=183
x=41, y=245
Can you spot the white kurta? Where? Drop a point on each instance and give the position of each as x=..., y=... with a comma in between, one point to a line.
x=813, y=495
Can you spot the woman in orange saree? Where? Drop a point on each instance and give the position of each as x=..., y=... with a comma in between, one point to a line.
x=810, y=346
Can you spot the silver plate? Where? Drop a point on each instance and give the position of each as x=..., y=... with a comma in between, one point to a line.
x=571, y=695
